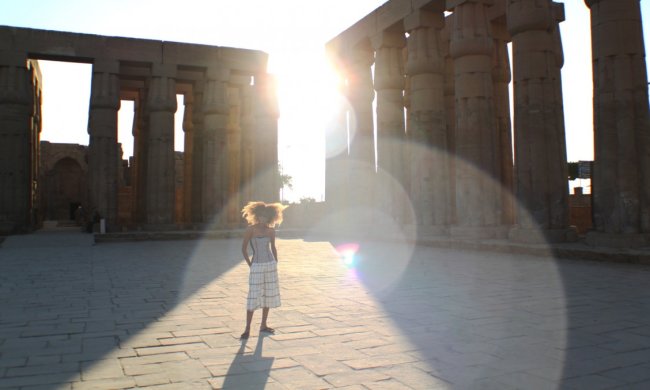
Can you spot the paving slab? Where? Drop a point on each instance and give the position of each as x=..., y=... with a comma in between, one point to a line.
x=75, y=314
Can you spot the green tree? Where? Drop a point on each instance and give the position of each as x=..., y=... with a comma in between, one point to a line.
x=285, y=181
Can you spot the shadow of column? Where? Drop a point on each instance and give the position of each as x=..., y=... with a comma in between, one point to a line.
x=61, y=295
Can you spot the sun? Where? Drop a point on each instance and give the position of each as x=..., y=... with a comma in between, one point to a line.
x=308, y=98
x=307, y=84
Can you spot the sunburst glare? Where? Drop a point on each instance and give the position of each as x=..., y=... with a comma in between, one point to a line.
x=308, y=99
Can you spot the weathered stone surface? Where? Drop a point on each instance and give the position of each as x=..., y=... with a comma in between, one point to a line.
x=467, y=48
x=19, y=132
x=501, y=77
x=428, y=134
x=151, y=73
x=103, y=156
x=478, y=199
x=160, y=106
x=621, y=177
x=540, y=149
x=389, y=79
x=361, y=163
x=449, y=317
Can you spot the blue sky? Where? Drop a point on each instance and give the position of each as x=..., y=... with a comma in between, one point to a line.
x=293, y=32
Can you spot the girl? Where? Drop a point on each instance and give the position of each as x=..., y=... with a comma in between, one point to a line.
x=263, y=289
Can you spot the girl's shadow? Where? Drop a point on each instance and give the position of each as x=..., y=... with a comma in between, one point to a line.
x=249, y=371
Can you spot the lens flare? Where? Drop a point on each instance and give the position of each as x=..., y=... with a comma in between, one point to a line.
x=348, y=252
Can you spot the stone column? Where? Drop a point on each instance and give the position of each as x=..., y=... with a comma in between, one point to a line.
x=501, y=76
x=336, y=154
x=140, y=157
x=15, y=167
x=391, y=137
x=35, y=213
x=247, y=139
x=160, y=187
x=265, y=151
x=450, y=111
x=197, y=153
x=233, y=154
x=621, y=177
x=360, y=93
x=478, y=193
x=103, y=159
x=215, y=120
x=540, y=146
x=428, y=156
x=188, y=156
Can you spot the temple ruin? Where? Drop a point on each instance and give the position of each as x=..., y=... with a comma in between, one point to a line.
x=446, y=65
x=230, y=130
x=427, y=137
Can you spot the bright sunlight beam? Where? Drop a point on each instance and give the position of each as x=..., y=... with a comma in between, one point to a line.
x=307, y=96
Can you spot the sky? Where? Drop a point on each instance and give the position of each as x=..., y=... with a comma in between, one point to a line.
x=293, y=32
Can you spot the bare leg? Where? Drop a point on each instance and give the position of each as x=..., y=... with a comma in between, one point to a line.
x=249, y=319
x=263, y=326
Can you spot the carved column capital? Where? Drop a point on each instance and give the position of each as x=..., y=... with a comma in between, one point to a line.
x=14, y=81
x=105, y=89
x=215, y=94
x=424, y=54
x=162, y=88
x=528, y=15
x=470, y=34
x=389, y=66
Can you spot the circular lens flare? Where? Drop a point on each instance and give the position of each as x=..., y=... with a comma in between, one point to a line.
x=348, y=252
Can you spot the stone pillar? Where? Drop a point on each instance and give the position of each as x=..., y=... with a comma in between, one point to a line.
x=621, y=177
x=478, y=195
x=391, y=137
x=450, y=111
x=501, y=76
x=360, y=93
x=140, y=131
x=233, y=154
x=265, y=151
x=215, y=120
x=15, y=166
x=36, y=214
x=103, y=159
x=160, y=187
x=247, y=139
x=336, y=154
x=188, y=156
x=197, y=153
x=540, y=146
x=428, y=156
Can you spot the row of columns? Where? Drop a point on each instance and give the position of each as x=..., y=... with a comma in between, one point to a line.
x=216, y=181
x=215, y=184
x=453, y=155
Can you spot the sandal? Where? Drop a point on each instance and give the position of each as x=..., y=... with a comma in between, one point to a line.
x=267, y=330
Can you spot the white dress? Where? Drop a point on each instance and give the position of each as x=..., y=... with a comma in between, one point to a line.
x=264, y=290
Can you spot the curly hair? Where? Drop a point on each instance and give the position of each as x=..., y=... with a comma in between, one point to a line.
x=271, y=212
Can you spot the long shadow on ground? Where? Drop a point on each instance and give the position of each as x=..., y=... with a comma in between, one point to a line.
x=499, y=321
x=66, y=305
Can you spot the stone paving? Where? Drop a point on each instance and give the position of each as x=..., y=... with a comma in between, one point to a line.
x=167, y=315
